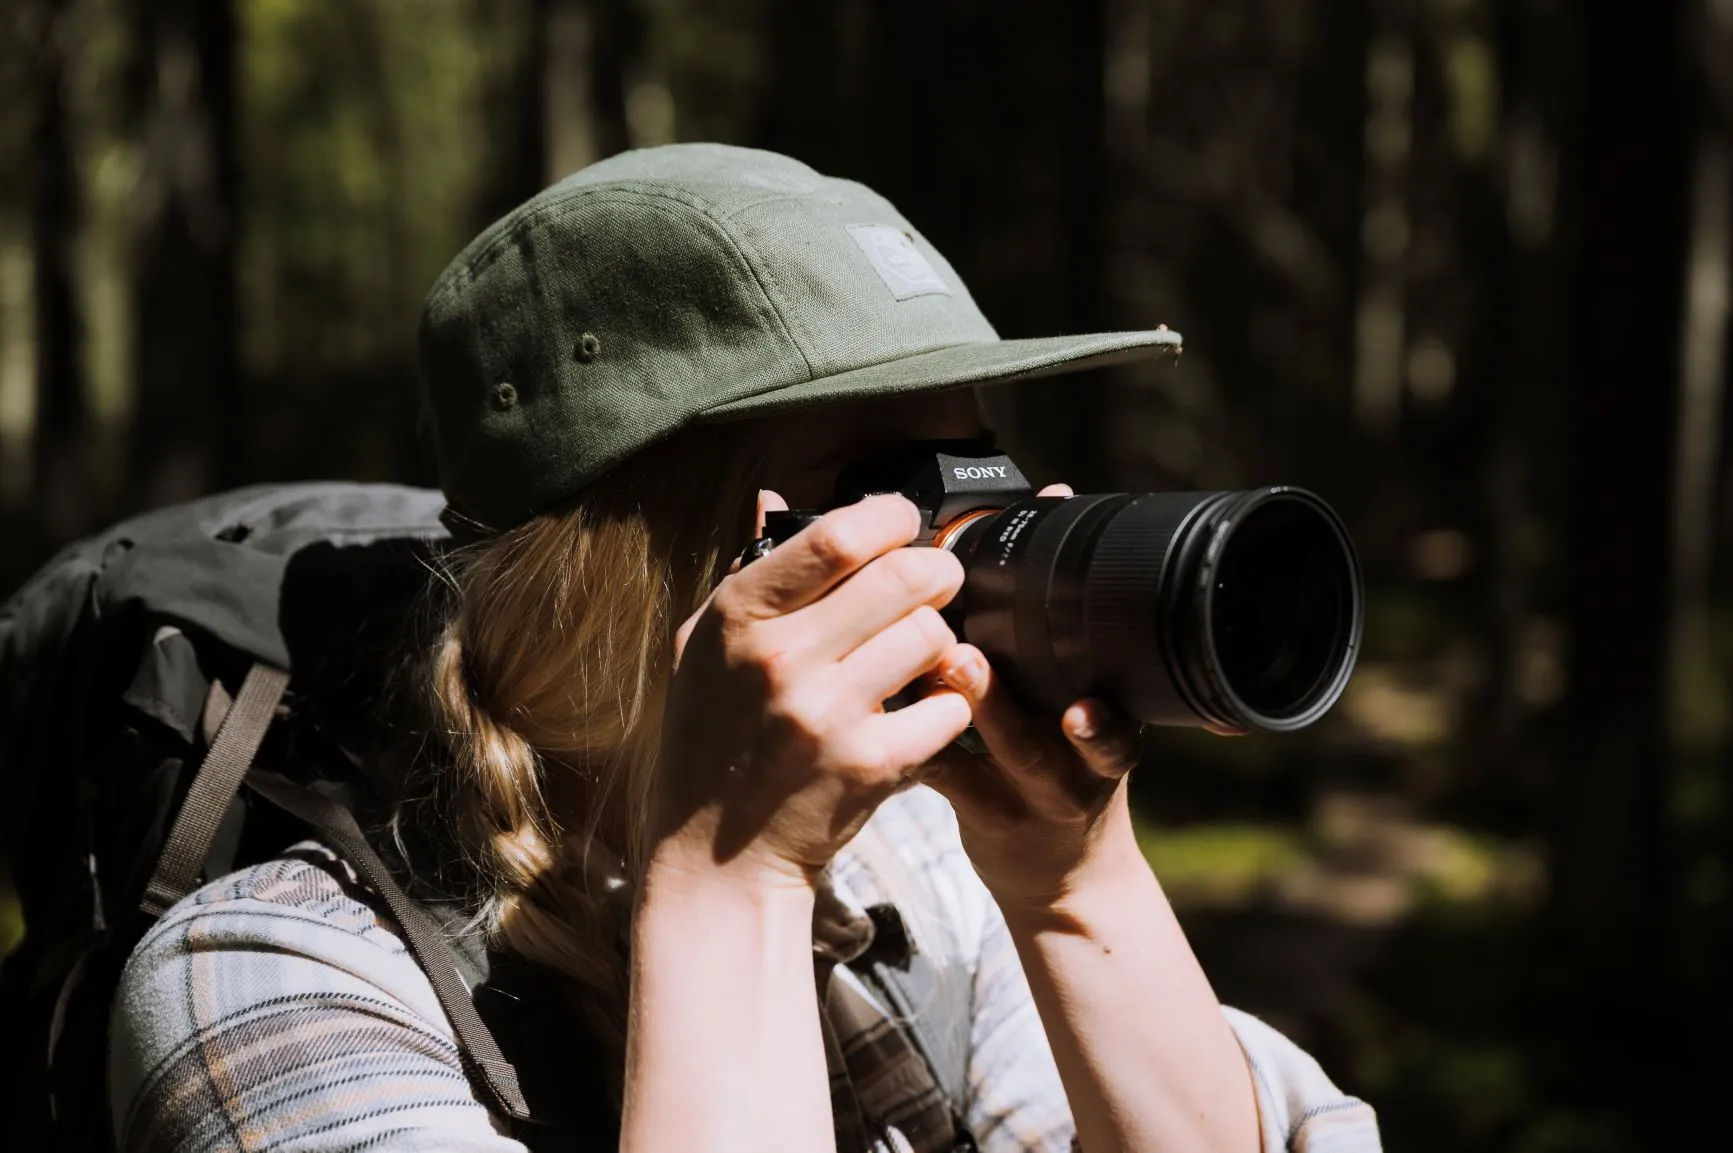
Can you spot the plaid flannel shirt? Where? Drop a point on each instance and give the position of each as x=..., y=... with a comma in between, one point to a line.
x=277, y=1009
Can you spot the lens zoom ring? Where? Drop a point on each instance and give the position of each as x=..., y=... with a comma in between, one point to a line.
x=1126, y=606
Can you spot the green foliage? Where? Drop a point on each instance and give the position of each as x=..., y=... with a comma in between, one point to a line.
x=1217, y=863
x=367, y=142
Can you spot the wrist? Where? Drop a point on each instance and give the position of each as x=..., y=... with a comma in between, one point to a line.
x=721, y=962
x=1112, y=877
x=749, y=927
x=679, y=870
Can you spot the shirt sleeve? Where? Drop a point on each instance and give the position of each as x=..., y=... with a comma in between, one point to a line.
x=274, y=1009
x=1298, y=1106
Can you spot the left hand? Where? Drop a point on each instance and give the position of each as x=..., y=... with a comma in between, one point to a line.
x=1046, y=810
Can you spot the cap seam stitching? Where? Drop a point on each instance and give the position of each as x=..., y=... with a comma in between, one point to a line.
x=703, y=208
x=510, y=226
x=763, y=273
x=533, y=217
x=484, y=259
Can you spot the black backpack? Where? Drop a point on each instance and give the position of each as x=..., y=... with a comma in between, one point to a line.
x=141, y=671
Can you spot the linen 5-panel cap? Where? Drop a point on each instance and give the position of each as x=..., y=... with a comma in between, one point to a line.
x=687, y=283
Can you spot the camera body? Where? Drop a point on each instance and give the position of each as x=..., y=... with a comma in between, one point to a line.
x=1241, y=610
x=950, y=481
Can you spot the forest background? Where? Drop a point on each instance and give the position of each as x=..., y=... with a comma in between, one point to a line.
x=1461, y=266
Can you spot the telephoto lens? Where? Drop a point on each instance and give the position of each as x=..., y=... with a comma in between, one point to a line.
x=1241, y=610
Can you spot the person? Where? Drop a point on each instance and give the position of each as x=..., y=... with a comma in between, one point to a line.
x=664, y=789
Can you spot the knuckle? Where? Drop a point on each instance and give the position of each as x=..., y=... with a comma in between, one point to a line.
x=835, y=544
x=751, y=650
x=931, y=626
x=899, y=575
x=772, y=667
x=739, y=636
x=775, y=670
x=916, y=574
x=728, y=602
x=799, y=723
x=866, y=762
x=950, y=570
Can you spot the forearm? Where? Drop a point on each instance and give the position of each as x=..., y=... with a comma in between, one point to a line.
x=724, y=1050
x=1146, y=1056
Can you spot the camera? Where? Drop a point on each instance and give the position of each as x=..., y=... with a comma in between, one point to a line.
x=1239, y=609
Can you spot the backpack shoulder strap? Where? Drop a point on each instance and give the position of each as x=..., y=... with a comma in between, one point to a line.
x=213, y=788
x=337, y=825
x=220, y=776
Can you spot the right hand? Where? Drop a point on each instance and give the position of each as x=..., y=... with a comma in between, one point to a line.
x=776, y=747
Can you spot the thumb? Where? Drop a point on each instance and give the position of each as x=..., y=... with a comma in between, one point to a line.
x=768, y=501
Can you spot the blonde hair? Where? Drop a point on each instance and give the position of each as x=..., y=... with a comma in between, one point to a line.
x=545, y=679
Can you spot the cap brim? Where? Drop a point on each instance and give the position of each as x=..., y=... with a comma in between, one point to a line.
x=993, y=362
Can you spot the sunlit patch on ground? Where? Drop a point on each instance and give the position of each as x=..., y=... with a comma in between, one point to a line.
x=1360, y=859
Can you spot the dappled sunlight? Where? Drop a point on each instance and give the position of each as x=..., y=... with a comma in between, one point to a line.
x=1360, y=859
x=1397, y=708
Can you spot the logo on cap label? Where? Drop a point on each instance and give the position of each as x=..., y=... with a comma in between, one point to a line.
x=897, y=261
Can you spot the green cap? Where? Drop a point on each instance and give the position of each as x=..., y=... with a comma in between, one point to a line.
x=687, y=283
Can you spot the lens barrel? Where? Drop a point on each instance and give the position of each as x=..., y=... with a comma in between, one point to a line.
x=1239, y=609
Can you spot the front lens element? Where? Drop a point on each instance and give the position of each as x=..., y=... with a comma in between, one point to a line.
x=1278, y=605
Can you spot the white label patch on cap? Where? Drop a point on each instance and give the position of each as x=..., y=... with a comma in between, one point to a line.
x=897, y=261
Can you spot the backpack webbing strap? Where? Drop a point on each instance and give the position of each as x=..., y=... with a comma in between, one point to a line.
x=338, y=827
x=213, y=787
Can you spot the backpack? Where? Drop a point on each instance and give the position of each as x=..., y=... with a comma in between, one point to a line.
x=157, y=680
x=140, y=672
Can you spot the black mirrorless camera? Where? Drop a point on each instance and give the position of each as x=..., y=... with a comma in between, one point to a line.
x=1238, y=609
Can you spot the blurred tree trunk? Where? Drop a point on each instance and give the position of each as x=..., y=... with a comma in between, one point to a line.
x=616, y=43
x=1703, y=337
x=62, y=493
x=1509, y=385
x=1704, y=450
x=1072, y=411
x=190, y=425
x=1381, y=315
x=585, y=52
x=517, y=110
x=1613, y=895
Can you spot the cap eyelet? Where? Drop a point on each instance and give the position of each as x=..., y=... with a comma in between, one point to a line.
x=588, y=348
x=504, y=395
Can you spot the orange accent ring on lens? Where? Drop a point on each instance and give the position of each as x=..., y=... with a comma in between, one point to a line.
x=944, y=537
